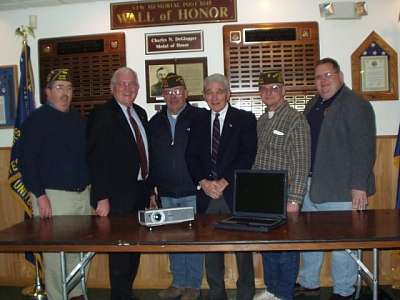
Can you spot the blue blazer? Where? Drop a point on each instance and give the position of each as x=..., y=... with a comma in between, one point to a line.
x=237, y=150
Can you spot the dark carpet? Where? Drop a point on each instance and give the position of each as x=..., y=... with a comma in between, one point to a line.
x=14, y=293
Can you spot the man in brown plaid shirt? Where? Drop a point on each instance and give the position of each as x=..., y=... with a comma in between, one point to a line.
x=283, y=144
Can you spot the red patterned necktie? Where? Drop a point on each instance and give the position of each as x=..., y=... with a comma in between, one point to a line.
x=215, y=144
x=140, y=145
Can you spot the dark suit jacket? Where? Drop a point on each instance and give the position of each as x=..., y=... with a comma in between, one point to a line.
x=237, y=150
x=113, y=158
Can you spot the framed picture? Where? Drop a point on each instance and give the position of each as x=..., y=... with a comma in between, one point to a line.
x=193, y=70
x=8, y=95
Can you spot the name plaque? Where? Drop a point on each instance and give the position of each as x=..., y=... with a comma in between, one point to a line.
x=175, y=12
x=183, y=41
x=270, y=35
x=80, y=47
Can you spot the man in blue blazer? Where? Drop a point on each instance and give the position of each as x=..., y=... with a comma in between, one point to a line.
x=212, y=171
x=117, y=153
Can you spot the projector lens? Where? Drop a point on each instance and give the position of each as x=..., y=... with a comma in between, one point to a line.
x=157, y=217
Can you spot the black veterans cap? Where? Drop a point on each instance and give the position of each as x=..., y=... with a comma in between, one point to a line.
x=59, y=74
x=172, y=80
x=272, y=76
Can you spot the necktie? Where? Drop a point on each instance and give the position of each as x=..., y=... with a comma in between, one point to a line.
x=215, y=144
x=140, y=145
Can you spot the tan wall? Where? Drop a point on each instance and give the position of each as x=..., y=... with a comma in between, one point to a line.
x=154, y=272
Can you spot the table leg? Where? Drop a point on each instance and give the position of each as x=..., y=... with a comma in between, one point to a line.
x=375, y=281
x=63, y=276
x=372, y=279
x=359, y=277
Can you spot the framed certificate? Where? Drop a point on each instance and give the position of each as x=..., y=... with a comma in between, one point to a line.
x=374, y=73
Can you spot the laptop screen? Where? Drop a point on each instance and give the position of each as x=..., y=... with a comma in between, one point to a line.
x=260, y=193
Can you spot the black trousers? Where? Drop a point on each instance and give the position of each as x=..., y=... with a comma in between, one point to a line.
x=215, y=265
x=215, y=272
x=123, y=268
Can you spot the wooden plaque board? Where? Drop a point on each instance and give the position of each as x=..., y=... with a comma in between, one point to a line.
x=92, y=60
x=292, y=48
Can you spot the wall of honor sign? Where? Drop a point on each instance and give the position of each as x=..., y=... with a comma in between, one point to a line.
x=178, y=12
x=92, y=59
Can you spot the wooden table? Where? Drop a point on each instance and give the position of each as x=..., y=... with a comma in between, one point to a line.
x=371, y=229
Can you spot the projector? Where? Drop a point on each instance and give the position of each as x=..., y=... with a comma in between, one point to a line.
x=164, y=216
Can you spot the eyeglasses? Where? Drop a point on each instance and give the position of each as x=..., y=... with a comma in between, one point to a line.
x=176, y=92
x=326, y=75
x=123, y=84
x=63, y=88
x=273, y=89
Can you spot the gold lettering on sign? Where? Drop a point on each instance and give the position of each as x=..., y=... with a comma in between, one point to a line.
x=202, y=13
x=173, y=12
x=136, y=18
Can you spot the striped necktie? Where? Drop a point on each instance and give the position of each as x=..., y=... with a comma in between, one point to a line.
x=215, y=144
x=140, y=145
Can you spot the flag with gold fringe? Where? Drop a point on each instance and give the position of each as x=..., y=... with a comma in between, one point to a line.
x=25, y=105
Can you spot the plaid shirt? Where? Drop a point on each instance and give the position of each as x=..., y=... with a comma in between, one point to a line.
x=284, y=144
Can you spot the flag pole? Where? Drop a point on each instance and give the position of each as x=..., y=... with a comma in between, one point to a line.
x=37, y=290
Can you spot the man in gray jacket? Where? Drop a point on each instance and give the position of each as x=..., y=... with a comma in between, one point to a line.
x=343, y=142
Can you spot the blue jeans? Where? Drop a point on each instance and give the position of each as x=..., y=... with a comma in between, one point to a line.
x=343, y=267
x=280, y=272
x=186, y=268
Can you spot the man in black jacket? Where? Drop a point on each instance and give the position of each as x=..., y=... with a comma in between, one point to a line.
x=169, y=133
x=117, y=155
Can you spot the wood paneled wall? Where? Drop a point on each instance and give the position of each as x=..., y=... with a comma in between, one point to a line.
x=154, y=271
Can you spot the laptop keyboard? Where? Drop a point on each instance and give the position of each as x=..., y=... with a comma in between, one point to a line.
x=252, y=220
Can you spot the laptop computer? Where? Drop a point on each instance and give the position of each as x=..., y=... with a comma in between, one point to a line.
x=260, y=198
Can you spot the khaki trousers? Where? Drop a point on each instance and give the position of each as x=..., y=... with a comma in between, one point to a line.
x=62, y=203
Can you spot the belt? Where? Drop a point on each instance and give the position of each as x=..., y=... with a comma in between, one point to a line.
x=78, y=190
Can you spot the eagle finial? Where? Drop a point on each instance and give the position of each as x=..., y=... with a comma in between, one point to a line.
x=23, y=31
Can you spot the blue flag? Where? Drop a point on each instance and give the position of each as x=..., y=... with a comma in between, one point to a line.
x=397, y=164
x=25, y=105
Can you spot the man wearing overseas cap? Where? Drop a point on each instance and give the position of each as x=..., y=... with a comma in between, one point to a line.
x=52, y=163
x=169, y=134
x=283, y=144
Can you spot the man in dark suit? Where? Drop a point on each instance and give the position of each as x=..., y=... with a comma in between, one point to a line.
x=117, y=156
x=222, y=141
